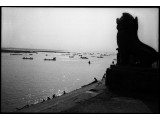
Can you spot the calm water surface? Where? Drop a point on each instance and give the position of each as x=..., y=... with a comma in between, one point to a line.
x=30, y=81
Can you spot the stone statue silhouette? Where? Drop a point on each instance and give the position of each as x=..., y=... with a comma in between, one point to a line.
x=131, y=51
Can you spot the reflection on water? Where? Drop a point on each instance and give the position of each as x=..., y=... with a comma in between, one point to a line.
x=30, y=81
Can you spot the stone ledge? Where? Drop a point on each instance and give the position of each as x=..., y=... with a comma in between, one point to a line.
x=133, y=80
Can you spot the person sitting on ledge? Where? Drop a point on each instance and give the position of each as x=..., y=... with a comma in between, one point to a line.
x=48, y=98
x=53, y=96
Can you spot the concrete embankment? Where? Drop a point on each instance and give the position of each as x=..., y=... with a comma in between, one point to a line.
x=70, y=100
x=92, y=98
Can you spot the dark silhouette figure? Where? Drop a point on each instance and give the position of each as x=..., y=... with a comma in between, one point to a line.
x=89, y=62
x=131, y=51
x=53, y=96
x=95, y=80
x=48, y=98
x=133, y=75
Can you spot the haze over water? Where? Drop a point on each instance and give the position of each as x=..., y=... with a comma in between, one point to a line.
x=73, y=29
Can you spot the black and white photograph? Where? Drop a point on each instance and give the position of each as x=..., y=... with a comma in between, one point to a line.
x=80, y=60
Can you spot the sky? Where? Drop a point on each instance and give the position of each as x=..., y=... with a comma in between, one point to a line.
x=73, y=29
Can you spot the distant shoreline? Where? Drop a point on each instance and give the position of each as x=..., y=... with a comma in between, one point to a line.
x=21, y=50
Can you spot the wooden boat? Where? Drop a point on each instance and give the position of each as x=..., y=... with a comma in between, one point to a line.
x=53, y=59
x=99, y=57
x=84, y=57
x=28, y=58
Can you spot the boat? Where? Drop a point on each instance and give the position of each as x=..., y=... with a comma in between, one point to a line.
x=71, y=56
x=53, y=59
x=84, y=57
x=91, y=53
x=28, y=58
x=99, y=57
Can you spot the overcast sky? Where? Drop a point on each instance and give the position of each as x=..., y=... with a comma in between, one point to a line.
x=75, y=29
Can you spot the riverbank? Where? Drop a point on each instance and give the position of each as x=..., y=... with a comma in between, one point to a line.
x=92, y=98
x=77, y=95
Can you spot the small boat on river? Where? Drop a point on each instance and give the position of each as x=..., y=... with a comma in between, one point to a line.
x=53, y=59
x=84, y=57
x=27, y=58
x=71, y=56
x=99, y=57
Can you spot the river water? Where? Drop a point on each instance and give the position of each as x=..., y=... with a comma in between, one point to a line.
x=30, y=81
